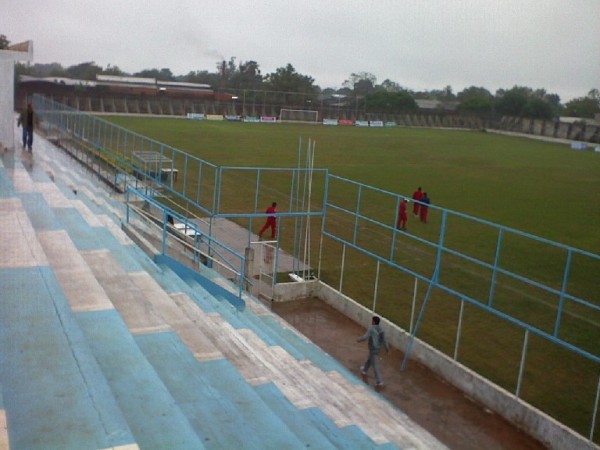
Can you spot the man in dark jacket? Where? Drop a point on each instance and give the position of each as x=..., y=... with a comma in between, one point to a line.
x=376, y=338
x=26, y=121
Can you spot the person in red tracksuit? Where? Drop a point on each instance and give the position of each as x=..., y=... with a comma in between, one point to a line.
x=271, y=221
x=417, y=196
x=424, y=207
x=402, y=217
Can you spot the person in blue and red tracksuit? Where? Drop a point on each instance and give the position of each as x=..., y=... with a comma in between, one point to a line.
x=417, y=196
x=402, y=217
x=424, y=207
x=271, y=221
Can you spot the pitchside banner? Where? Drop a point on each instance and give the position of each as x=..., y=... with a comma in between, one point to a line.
x=345, y=122
x=252, y=119
x=214, y=117
x=376, y=123
x=362, y=123
x=268, y=119
x=196, y=116
x=330, y=121
x=233, y=118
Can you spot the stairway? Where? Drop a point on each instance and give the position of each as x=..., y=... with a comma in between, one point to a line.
x=102, y=347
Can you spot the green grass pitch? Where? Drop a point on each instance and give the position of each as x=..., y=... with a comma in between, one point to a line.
x=542, y=188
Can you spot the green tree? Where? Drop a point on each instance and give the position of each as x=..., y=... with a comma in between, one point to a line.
x=390, y=102
x=84, y=71
x=201, y=77
x=226, y=70
x=162, y=74
x=4, y=42
x=391, y=86
x=41, y=70
x=291, y=88
x=443, y=95
x=361, y=83
x=114, y=70
x=286, y=79
x=513, y=101
x=246, y=76
x=586, y=106
x=475, y=100
x=538, y=108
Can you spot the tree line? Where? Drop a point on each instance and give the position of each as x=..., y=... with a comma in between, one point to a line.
x=361, y=90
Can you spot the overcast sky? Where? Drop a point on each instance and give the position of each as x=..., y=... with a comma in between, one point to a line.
x=420, y=44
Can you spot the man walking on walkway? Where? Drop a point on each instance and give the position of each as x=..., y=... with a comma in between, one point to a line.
x=26, y=121
x=376, y=338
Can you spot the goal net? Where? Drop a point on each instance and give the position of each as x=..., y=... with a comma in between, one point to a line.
x=298, y=115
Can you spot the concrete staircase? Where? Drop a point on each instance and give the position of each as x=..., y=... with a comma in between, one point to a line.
x=102, y=347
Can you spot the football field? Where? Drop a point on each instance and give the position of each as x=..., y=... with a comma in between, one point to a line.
x=545, y=189
x=541, y=188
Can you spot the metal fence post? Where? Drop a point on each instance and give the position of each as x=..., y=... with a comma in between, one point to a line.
x=522, y=364
x=342, y=268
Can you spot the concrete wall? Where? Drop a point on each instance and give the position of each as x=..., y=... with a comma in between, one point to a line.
x=17, y=52
x=7, y=108
x=531, y=420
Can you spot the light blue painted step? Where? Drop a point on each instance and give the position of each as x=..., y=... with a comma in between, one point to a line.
x=314, y=423
x=85, y=237
x=6, y=187
x=207, y=301
x=151, y=412
x=245, y=319
x=186, y=273
x=341, y=437
x=50, y=380
x=301, y=424
x=40, y=214
x=217, y=400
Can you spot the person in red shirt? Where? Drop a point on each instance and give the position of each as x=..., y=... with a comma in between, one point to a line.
x=402, y=217
x=271, y=221
x=417, y=196
x=424, y=207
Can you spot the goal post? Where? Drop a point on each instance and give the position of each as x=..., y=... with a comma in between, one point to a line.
x=298, y=115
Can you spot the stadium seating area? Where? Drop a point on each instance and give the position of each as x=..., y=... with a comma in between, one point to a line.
x=102, y=347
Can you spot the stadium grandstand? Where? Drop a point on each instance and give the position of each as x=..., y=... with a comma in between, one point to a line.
x=130, y=316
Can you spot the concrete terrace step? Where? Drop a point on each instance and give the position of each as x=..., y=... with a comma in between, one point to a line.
x=50, y=380
x=304, y=384
x=143, y=316
x=258, y=317
x=216, y=399
x=64, y=258
x=154, y=417
x=311, y=424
